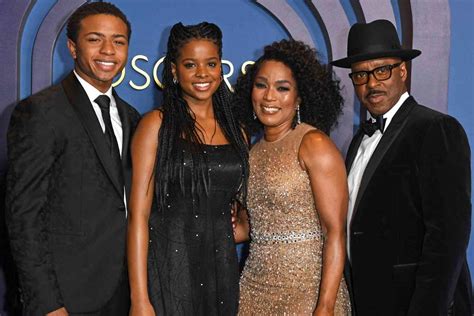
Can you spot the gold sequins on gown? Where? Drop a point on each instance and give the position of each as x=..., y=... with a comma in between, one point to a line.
x=283, y=270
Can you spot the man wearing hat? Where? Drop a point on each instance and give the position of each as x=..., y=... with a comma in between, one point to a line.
x=409, y=180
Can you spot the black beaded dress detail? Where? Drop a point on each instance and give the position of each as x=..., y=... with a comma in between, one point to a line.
x=193, y=267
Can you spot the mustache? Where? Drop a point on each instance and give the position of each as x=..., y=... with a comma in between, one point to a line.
x=372, y=92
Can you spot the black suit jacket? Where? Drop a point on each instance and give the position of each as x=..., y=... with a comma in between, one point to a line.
x=412, y=217
x=65, y=205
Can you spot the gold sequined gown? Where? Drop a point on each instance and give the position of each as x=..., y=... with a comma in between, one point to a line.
x=283, y=270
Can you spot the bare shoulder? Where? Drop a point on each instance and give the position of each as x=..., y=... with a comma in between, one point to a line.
x=318, y=150
x=150, y=123
x=146, y=134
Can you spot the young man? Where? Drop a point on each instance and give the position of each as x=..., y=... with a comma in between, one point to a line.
x=409, y=180
x=69, y=176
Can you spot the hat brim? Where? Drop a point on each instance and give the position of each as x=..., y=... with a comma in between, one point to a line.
x=404, y=54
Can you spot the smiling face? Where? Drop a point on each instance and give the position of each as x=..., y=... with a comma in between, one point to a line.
x=101, y=49
x=380, y=96
x=198, y=70
x=275, y=95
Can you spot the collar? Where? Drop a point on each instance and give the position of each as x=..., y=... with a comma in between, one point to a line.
x=391, y=113
x=91, y=91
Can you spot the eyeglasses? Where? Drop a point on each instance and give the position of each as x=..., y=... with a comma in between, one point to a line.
x=380, y=73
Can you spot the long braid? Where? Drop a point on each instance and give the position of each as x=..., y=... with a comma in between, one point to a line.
x=233, y=132
x=179, y=121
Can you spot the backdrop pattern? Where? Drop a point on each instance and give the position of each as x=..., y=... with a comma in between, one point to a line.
x=33, y=53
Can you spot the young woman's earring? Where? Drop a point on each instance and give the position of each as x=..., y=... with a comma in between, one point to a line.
x=175, y=81
x=254, y=115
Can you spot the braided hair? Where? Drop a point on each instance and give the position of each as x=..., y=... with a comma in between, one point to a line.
x=320, y=92
x=179, y=122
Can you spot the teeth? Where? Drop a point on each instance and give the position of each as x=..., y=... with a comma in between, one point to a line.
x=106, y=63
x=270, y=109
x=202, y=85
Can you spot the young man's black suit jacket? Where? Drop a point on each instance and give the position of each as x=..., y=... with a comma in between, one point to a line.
x=412, y=217
x=65, y=204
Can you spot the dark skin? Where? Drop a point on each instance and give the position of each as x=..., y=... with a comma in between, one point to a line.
x=378, y=97
x=197, y=70
x=101, y=49
x=275, y=98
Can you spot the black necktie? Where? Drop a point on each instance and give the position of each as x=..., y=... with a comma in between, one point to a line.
x=370, y=127
x=104, y=103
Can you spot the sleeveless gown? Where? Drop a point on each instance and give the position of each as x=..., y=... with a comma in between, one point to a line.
x=283, y=270
x=193, y=267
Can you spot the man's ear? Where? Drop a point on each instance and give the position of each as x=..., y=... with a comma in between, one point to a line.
x=403, y=70
x=72, y=48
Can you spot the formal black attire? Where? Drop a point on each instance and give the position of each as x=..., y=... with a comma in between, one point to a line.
x=193, y=267
x=65, y=201
x=412, y=217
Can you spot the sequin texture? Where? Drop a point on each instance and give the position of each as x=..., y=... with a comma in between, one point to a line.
x=283, y=271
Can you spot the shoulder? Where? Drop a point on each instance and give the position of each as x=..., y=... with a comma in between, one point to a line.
x=47, y=98
x=145, y=138
x=432, y=120
x=152, y=120
x=148, y=127
x=436, y=134
x=318, y=150
x=38, y=111
x=427, y=115
x=316, y=142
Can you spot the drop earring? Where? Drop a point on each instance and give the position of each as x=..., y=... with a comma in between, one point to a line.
x=175, y=81
x=254, y=115
x=298, y=117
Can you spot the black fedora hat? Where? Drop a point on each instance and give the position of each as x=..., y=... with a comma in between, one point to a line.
x=373, y=40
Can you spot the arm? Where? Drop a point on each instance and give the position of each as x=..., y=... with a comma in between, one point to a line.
x=322, y=161
x=32, y=154
x=144, y=149
x=445, y=187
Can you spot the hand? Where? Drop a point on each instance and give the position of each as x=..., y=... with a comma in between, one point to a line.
x=240, y=223
x=142, y=309
x=59, y=312
x=233, y=215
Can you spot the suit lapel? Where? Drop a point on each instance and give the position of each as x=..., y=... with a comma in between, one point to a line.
x=83, y=107
x=126, y=134
x=124, y=118
x=393, y=130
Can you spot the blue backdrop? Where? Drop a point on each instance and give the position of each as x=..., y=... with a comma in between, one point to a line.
x=33, y=50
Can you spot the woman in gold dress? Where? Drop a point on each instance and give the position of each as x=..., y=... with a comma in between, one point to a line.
x=297, y=198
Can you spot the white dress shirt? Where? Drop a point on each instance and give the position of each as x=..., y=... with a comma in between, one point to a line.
x=92, y=94
x=364, y=153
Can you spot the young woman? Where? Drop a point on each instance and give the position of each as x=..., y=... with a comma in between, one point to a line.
x=297, y=199
x=189, y=164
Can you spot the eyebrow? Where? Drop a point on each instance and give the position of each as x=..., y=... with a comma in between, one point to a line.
x=284, y=81
x=103, y=35
x=194, y=59
x=278, y=81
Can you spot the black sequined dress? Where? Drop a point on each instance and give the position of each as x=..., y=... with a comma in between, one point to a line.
x=193, y=267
